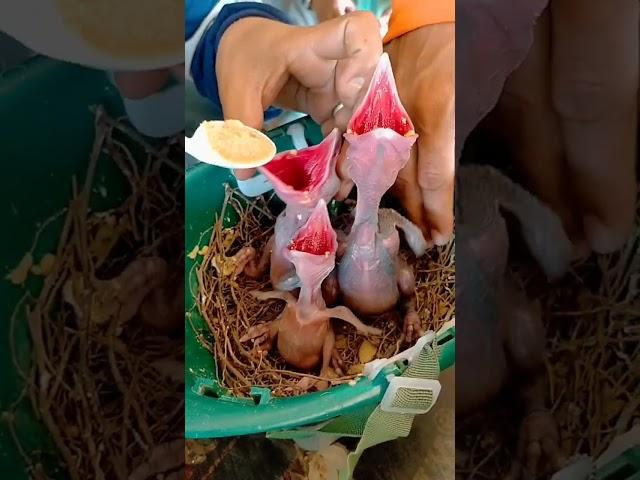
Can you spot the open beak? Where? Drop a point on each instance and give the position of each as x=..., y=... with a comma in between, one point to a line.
x=380, y=135
x=381, y=107
x=313, y=248
x=316, y=236
x=302, y=176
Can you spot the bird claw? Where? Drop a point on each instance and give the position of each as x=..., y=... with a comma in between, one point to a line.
x=244, y=261
x=412, y=328
x=309, y=383
x=337, y=363
x=261, y=336
x=538, y=445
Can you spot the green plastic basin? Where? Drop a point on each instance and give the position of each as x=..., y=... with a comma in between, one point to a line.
x=209, y=412
x=45, y=139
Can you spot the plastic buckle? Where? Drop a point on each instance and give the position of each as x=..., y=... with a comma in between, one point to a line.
x=296, y=132
x=374, y=367
x=409, y=383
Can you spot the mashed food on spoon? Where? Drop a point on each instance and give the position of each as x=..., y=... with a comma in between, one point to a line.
x=238, y=144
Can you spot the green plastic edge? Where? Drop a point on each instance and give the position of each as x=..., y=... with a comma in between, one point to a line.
x=215, y=415
x=46, y=137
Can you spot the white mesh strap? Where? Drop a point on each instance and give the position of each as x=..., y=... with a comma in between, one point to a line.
x=415, y=391
x=410, y=395
x=384, y=425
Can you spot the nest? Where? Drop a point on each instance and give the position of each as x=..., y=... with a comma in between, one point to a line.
x=592, y=363
x=225, y=302
x=102, y=390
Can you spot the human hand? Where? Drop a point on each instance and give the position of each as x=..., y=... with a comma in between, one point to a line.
x=423, y=62
x=569, y=116
x=328, y=9
x=308, y=69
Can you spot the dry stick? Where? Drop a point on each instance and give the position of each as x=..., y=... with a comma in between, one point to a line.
x=115, y=372
x=217, y=295
x=308, y=375
x=12, y=326
x=88, y=435
x=133, y=167
x=59, y=376
x=9, y=420
x=134, y=135
x=50, y=290
x=84, y=383
x=35, y=322
x=474, y=472
x=43, y=226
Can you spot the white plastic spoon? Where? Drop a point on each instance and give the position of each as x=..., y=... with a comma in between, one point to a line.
x=230, y=144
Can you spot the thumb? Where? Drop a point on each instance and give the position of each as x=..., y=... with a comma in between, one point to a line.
x=245, y=106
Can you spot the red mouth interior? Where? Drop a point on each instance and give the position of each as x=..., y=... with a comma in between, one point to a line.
x=315, y=240
x=380, y=109
x=301, y=170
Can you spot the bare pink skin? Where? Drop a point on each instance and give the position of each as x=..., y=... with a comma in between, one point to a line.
x=372, y=276
x=303, y=331
x=300, y=178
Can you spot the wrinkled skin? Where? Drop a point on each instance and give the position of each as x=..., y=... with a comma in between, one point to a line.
x=424, y=63
x=163, y=308
x=303, y=331
x=373, y=278
x=503, y=337
x=302, y=69
x=300, y=179
x=371, y=275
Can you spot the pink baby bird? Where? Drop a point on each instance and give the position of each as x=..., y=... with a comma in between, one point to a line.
x=371, y=274
x=300, y=178
x=303, y=331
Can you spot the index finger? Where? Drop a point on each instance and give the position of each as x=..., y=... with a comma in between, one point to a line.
x=245, y=106
x=435, y=123
x=436, y=175
x=595, y=84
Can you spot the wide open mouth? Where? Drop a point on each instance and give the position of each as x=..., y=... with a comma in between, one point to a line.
x=303, y=170
x=381, y=106
x=316, y=236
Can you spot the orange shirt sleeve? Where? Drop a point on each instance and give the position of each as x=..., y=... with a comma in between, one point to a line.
x=408, y=15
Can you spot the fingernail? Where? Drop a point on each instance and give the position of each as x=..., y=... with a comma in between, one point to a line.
x=438, y=238
x=581, y=251
x=427, y=236
x=601, y=237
